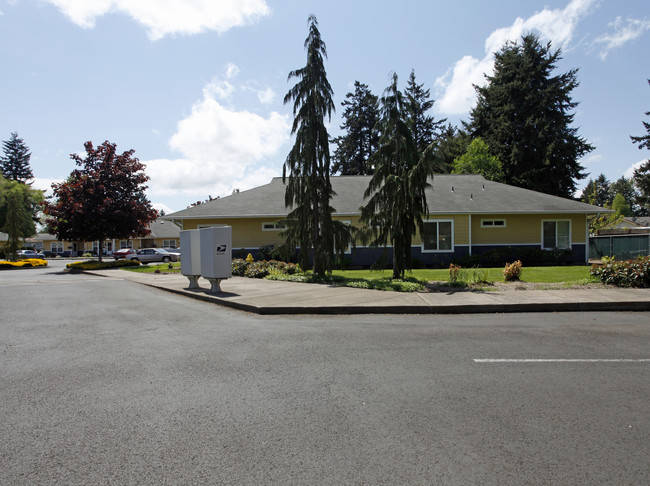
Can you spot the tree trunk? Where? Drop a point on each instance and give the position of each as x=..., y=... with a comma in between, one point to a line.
x=100, y=247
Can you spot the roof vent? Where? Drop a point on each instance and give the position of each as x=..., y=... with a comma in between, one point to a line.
x=484, y=187
x=471, y=197
x=452, y=188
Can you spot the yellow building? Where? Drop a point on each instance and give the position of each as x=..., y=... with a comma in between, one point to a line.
x=468, y=215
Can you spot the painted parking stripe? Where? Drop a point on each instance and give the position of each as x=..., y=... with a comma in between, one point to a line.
x=560, y=360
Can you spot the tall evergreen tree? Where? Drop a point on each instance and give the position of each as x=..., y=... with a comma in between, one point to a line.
x=14, y=164
x=418, y=104
x=306, y=170
x=396, y=193
x=625, y=187
x=642, y=174
x=449, y=145
x=597, y=192
x=524, y=114
x=360, y=140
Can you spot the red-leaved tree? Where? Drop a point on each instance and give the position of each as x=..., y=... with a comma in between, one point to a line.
x=104, y=198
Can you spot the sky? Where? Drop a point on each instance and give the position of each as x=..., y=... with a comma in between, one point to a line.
x=196, y=87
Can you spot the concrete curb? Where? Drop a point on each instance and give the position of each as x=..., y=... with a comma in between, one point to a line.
x=201, y=294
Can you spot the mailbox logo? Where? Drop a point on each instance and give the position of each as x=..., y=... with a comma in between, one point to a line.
x=221, y=249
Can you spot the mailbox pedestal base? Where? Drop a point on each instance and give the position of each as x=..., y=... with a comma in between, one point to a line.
x=194, y=281
x=215, y=285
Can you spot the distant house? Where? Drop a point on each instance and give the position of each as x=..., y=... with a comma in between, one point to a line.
x=468, y=215
x=162, y=234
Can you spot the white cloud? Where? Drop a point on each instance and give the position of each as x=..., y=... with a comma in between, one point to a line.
x=221, y=148
x=163, y=207
x=266, y=96
x=557, y=26
x=45, y=184
x=630, y=171
x=624, y=32
x=168, y=17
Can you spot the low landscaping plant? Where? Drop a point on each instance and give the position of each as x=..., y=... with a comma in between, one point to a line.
x=262, y=268
x=29, y=262
x=626, y=273
x=512, y=271
x=95, y=265
x=474, y=276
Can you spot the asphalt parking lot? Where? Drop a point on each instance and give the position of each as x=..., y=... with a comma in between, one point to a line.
x=106, y=381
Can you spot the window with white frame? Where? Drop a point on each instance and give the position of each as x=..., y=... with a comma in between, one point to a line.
x=493, y=223
x=169, y=243
x=438, y=235
x=273, y=226
x=56, y=247
x=556, y=234
x=126, y=244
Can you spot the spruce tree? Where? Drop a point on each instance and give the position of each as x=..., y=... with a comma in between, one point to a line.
x=524, y=114
x=306, y=170
x=360, y=140
x=14, y=164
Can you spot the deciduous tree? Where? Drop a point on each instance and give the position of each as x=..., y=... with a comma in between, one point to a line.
x=19, y=204
x=478, y=160
x=525, y=112
x=104, y=198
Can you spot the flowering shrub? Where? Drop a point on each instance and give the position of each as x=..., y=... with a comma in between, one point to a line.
x=262, y=268
x=512, y=271
x=29, y=262
x=627, y=273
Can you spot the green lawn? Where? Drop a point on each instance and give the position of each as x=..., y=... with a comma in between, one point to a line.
x=568, y=274
x=151, y=268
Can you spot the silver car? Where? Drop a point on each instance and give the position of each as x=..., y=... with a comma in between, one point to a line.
x=147, y=255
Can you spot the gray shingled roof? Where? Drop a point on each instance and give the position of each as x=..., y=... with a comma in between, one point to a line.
x=449, y=194
x=164, y=229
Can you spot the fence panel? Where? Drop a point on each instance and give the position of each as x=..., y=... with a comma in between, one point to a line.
x=622, y=247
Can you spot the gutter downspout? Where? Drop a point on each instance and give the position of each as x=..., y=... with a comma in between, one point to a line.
x=470, y=235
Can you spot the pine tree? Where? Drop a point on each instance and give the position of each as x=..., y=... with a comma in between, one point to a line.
x=14, y=164
x=360, y=140
x=422, y=125
x=306, y=170
x=396, y=193
x=597, y=192
x=524, y=114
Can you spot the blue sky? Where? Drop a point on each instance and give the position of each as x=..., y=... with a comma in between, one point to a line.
x=195, y=87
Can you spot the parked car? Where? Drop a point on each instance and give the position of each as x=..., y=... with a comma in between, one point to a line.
x=147, y=255
x=24, y=254
x=175, y=251
x=123, y=253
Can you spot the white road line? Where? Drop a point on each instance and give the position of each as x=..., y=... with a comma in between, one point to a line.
x=560, y=360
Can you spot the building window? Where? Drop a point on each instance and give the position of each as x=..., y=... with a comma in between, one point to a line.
x=169, y=243
x=56, y=247
x=493, y=223
x=274, y=226
x=438, y=236
x=126, y=244
x=556, y=234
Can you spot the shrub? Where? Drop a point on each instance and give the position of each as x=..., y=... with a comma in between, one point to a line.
x=453, y=272
x=626, y=273
x=512, y=271
x=95, y=265
x=473, y=276
x=257, y=269
x=239, y=267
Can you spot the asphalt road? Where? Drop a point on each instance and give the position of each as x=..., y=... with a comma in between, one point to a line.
x=109, y=382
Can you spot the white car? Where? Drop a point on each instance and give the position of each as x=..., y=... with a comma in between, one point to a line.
x=147, y=255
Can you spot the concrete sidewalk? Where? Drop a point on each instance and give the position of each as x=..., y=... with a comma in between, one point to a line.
x=272, y=297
